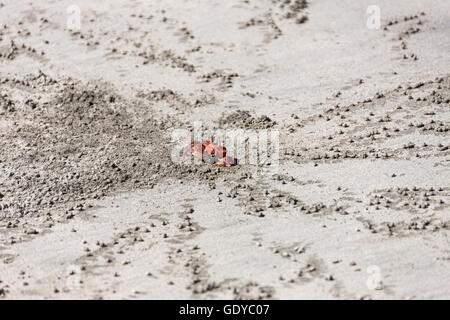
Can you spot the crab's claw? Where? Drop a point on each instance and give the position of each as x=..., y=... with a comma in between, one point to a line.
x=195, y=148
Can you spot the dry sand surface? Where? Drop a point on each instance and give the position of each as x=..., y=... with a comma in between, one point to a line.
x=93, y=207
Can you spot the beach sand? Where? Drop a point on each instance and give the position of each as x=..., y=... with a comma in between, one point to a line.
x=93, y=205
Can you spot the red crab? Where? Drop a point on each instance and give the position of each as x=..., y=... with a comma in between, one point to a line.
x=211, y=153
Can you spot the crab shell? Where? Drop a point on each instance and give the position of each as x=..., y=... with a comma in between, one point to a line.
x=196, y=148
x=215, y=150
x=212, y=154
